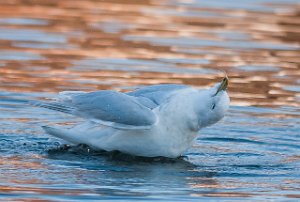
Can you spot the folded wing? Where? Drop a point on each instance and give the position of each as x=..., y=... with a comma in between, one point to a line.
x=108, y=108
x=132, y=110
x=157, y=93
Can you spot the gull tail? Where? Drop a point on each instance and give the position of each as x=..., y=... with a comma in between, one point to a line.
x=63, y=133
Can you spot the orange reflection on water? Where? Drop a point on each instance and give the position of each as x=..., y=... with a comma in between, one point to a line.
x=68, y=32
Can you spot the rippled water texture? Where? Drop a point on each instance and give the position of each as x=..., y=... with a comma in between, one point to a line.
x=51, y=46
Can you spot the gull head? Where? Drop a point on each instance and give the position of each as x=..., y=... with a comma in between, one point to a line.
x=214, y=103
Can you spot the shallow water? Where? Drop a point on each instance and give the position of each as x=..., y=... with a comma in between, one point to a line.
x=47, y=47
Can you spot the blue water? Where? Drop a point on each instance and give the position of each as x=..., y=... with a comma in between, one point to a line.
x=253, y=154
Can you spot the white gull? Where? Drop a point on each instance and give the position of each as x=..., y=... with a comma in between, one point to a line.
x=159, y=120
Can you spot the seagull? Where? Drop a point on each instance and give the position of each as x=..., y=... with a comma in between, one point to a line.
x=154, y=121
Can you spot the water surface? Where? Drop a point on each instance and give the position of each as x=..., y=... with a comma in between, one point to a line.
x=51, y=46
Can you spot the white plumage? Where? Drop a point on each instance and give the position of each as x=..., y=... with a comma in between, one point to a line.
x=159, y=120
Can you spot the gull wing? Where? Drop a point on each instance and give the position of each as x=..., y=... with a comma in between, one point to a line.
x=157, y=93
x=108, y=108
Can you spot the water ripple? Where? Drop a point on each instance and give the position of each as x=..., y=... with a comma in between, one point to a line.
x=47, y=47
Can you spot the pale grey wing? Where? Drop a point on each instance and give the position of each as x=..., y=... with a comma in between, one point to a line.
x=109, y=108
x=157, y=93
x=114, y=107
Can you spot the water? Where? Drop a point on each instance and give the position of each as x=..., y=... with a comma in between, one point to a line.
x=47, y=47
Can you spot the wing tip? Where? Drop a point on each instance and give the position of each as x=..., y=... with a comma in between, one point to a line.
x=53, y=106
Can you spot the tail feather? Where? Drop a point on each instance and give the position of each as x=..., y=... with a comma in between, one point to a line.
x=62, y=133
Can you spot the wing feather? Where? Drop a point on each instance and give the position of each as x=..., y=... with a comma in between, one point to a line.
x=131, y=110
x=108, y=108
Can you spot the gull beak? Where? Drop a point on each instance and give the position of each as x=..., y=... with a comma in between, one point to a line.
x=223, y=85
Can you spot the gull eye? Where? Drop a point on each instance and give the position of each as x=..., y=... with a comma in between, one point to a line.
x=213, y=106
